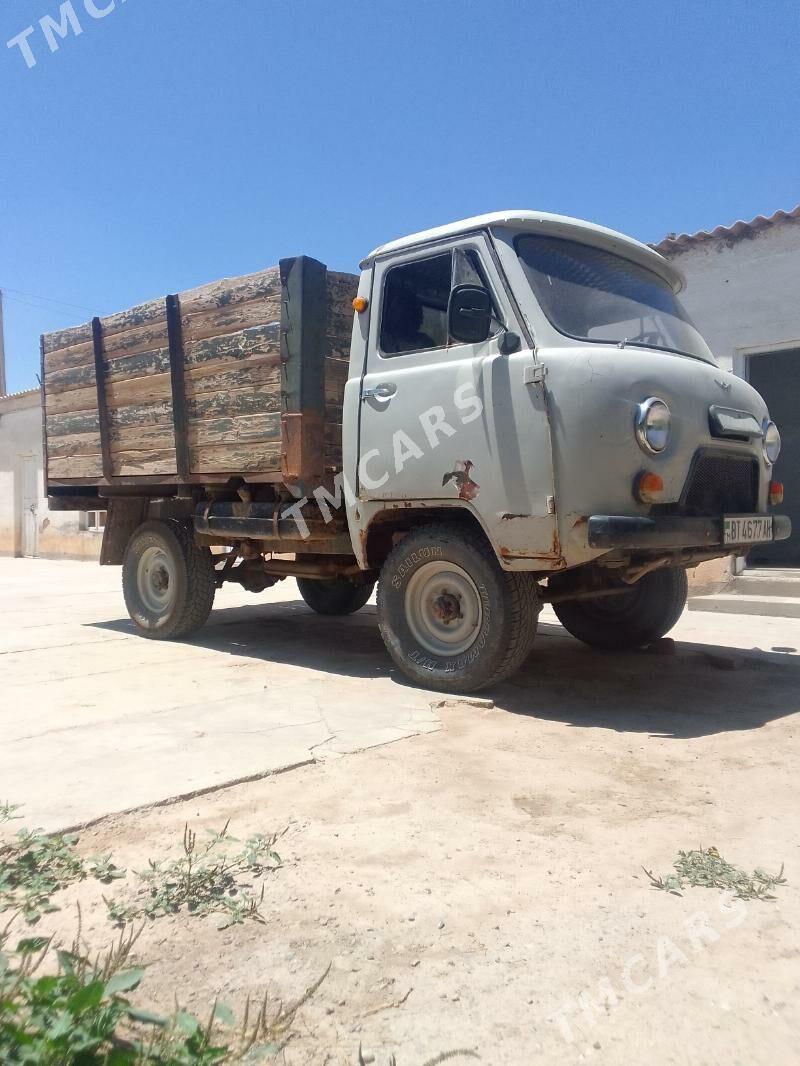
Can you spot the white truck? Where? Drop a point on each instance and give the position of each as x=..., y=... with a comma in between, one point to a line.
x=526, y=415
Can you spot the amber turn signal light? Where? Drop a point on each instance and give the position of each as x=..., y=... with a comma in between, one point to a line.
x=775, y=493
x=649, y=487
x=360, y=303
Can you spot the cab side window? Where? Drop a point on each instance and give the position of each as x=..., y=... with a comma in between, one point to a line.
x=415, y=298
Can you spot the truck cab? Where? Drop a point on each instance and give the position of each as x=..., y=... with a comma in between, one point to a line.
x=533, y=381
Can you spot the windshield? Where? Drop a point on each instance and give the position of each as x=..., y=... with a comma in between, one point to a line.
x=593, y=295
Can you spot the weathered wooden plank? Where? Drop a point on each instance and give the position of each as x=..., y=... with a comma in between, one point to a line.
x=63, y=425
x=141, y=364
x=153, y=389
x=67, y=338
x=157, y=438
x=262, y=341
x=234, y=403
x=64, y=358
x=81, y=466
x=333, y=413
x=333, y=433
x=340, y=290
x=129, y=463
x=146, y=314
x=74, y=444
x=257, y=340
x=230, y=291
x=257, y=371
x=229, y=458
x=240, y=429
x=337, y=349
x=146, y=338
x=333, y=461
x=78, y=377
x=336, y=375
x=333, y=445
x=342, y=285
x=141, y=414
x=74, y=400
x=339, y=324
x=213, y=322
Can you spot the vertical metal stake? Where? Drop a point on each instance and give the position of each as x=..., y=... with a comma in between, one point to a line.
x=176, y=367
x=102, y=406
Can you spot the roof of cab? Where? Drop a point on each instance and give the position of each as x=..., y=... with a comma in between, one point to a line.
x=543, y=222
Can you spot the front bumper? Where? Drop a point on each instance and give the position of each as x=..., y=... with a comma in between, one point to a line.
x=667, y=531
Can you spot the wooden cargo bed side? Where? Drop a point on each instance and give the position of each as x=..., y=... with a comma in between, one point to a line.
x=234, y=378
x=231, y=342
x=227, y=341
x=136, y=374
x=69, y=405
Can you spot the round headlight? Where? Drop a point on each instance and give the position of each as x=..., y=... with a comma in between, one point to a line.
x=652, y=425
x=772, y=442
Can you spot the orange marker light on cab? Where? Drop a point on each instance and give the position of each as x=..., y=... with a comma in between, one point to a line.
x=649, y=487
x=775, y=493
x=360, y=304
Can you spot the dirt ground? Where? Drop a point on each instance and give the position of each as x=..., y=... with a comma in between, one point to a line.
x=482, y=886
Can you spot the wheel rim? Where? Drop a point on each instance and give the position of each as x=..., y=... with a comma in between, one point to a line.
x=443, y=608
x=155, y=579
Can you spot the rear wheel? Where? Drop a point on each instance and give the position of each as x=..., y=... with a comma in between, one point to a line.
x=451, y=618
x=168, y=581
x=629, y=619
x=336, y=596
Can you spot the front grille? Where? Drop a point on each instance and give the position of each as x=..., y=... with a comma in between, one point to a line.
x=721, y=484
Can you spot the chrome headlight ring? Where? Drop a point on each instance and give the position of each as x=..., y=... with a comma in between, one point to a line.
x=652, y=424
x=770, y=441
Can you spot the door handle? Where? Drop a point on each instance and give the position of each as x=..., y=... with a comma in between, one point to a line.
x=384, y=391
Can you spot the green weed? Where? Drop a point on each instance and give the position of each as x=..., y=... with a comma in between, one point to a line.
x=213, y=879
x=705, y=868
x=82, y=1014
x=35, y=865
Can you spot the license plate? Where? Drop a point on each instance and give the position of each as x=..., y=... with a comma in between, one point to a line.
x=746, y=529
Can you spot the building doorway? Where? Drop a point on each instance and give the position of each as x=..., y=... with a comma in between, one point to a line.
x=29, y=498
x=776, y=375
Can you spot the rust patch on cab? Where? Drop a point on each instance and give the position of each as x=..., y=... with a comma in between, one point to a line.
x=460, y=477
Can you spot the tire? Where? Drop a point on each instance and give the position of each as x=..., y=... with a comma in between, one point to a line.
x=430, y=575
x=338, y=596
x=651, y=609
x=168, y=581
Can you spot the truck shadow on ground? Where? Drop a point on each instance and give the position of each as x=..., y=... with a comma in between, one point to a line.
x=700, y=690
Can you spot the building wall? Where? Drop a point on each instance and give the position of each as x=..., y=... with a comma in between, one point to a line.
x=744, y=295
x=743, y=292
x=59, y=534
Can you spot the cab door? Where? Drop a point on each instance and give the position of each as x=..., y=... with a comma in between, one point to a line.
x=453, y=423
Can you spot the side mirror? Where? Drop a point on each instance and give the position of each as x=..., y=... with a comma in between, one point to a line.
x=469, y=314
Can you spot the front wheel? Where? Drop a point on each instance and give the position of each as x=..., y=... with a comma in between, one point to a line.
x=168, y=581
x=630, y=619
x=451, y=618
x=336, y=596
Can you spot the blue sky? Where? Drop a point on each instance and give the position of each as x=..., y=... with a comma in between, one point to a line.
x=177, y=141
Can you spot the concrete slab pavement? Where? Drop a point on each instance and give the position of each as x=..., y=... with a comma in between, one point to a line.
x=96, y=719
